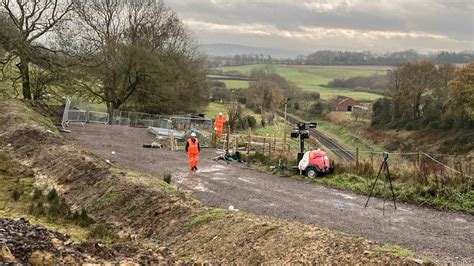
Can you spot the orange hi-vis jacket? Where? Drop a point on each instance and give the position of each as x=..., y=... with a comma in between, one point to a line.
x=193, y=147
x=220, y=121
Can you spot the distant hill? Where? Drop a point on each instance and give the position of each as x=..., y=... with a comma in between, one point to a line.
x=227, y=49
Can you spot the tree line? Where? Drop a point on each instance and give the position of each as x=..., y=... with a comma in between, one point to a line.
x=423, y=95
x=134, y=55
x=374, y=83
x=329, y=57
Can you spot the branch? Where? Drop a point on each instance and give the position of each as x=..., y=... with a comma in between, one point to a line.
x=91, y=90
x=53, y=21
x=6, y=5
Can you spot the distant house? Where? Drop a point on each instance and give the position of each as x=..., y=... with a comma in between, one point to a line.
x=343, y=103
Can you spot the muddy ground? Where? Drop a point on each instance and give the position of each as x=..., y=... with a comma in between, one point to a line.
x=443, y=235
x=25, y=243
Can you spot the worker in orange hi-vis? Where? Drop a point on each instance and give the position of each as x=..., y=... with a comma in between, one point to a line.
x=219, y=124
x=193, y=148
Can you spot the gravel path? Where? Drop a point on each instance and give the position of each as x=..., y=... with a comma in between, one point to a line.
x=443, y=235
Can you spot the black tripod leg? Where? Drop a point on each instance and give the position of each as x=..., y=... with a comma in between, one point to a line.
x=373, y=186
x=384, y=187
x=391, y=187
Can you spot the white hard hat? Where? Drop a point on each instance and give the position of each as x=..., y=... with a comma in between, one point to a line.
x=193, y=134
x=220, y=113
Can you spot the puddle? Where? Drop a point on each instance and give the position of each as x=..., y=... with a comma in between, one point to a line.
x=218, y=178
x=342, y=204
x=345, y=196
x=213, y=168
x=245, y=180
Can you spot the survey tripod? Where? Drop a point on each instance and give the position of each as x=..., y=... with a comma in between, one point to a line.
x=383, y=167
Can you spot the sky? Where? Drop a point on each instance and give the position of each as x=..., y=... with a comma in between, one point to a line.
x=352, y=25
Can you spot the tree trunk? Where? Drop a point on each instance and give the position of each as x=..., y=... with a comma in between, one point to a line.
x=25, y=77
x=111, y=106
x=110, y=111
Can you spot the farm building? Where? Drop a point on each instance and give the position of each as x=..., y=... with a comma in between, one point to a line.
x=343, y=103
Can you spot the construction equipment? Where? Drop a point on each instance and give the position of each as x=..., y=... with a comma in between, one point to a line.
x=315, y=163
x=311, y=163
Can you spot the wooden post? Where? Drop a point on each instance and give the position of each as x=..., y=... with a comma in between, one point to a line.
x=274, y=142
x=284, y=125
x=419, y=160
x=372, y=159
x=228, y=140
x=270, y=147
x=249, y=141
x=171, y=140
x=236, y=144
x=264, y=144
x=357, y=159
x=213, y=140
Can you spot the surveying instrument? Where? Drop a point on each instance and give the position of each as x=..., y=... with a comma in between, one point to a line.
x=384, y=167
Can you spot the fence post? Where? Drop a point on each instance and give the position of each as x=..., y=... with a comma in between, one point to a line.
x=249, y=141
x=274, y=142
x=419, y=160
x=214, y=139
x=264, y=144
x=228, y=139
x=172, y=140
x=357, y=159
x=236, y=144
x=372, y=159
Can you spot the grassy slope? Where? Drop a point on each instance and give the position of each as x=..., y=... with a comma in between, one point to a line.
x=446, y=191
x=236, y=84
x=154, y=210
x=311, y=78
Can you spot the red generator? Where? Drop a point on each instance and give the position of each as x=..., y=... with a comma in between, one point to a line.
x=315, y=163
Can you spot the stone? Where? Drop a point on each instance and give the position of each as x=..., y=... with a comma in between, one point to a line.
x=6, y=255
x=162, y=250
x=128, y=263
x=417, y=261
x=56, y=243
x=41, y=257
x=70, y=260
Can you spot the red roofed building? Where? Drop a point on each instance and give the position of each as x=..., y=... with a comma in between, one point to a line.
x=343, y=103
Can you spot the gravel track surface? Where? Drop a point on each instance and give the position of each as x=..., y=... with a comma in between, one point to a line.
x=443, y=235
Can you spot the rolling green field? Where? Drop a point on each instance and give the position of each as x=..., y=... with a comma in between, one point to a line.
x=314, y=78
x=236, y=84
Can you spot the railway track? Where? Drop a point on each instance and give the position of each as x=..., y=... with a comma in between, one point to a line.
x=328, y=142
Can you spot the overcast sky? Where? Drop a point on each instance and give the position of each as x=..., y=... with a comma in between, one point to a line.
x=355, y=25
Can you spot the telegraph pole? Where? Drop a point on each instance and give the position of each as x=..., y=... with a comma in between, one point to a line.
x=284, y=125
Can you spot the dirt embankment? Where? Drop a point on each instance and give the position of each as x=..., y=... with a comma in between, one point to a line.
x=144, y=209
x=22, y=242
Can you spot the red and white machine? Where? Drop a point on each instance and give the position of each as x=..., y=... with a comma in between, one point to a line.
x=315, y=163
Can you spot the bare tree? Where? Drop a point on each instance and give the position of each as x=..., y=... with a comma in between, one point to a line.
x=25, y=24
x=418, y=78
x=125, y=47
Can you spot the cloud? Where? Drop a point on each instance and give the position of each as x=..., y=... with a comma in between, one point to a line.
x=383, y=24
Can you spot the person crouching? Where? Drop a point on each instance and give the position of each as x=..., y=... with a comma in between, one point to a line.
x=193, y=148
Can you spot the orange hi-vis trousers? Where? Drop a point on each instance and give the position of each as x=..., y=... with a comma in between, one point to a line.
x=219, y=130
x=193, y=160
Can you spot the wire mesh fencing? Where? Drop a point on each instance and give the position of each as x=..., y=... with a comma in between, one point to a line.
x=416, y=166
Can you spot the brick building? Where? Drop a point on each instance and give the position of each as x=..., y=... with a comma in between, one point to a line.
x=343, y=103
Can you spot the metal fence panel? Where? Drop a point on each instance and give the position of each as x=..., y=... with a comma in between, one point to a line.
x=97, y=117
x=76, y=116
x=64, y=120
